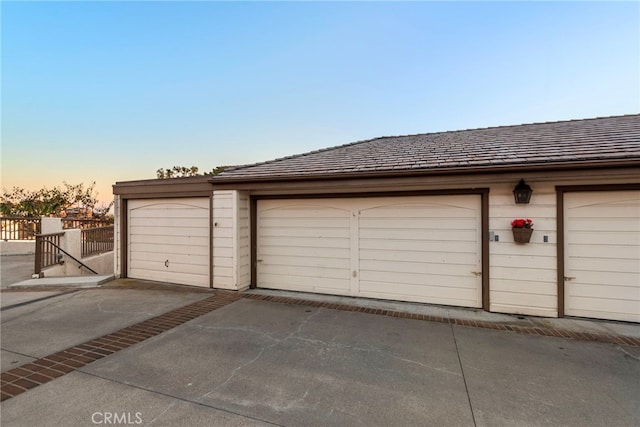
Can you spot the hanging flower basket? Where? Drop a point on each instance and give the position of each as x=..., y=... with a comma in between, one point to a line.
x=522, y=230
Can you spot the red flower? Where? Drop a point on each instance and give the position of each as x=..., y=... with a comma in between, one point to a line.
x=522, y=223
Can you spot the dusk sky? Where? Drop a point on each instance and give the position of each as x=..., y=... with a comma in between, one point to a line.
x=112, y=91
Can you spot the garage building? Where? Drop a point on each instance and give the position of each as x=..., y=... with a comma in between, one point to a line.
x=422, y=218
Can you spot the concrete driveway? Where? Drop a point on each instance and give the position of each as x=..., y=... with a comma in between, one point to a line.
x=15, y=268
x=265, y=363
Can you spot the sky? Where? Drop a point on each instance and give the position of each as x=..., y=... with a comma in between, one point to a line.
x=111, y=91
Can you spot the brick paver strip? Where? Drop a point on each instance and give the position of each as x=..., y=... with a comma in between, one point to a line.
x=525, y=330
x=18, y=380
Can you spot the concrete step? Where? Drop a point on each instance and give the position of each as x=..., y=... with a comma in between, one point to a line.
x=73, y=281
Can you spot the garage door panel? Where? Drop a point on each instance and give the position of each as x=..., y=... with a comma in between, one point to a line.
x=605, y=264
x=605, y=207
x=181, y=223
x=432, y=294
x=419, y=265
x=176, y=267
x=622, y=225
x=175, y=250
x=595, y=291
x=431, y=235
x=417, y=256
x=388, y=209
x=301, y=222
x=308, y=261
x=310, y=252
x=600, y=238
x=594, y=251
x=167, y=212
x=602, y=254
x=275, y=209
x=423, y=246
x=171, y=277
x=419, y=223
x=604, y=277
x=166, y=240
x=445, y=280
x=306, y=271
x=189, y=259
x=306, y=242
x=168, y=229
x=610, y=308
x=315, y=232
x=423, y=268
x=294, y=241
x=417, y=244
x=599, y=314
x=531, y=274
x=304, y=283
x=173, y=230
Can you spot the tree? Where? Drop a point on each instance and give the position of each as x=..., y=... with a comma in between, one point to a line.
x=217, y=170
x=177, y=172
x=51, y=202
x=182, y=171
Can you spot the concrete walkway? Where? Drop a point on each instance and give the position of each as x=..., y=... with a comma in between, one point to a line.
x=15, y=268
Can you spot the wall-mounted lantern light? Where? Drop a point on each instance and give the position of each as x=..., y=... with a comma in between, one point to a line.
x=522, y=192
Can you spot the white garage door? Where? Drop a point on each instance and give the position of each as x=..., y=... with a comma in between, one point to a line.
x=169, y=240
x=424, y=249
x=602, y=255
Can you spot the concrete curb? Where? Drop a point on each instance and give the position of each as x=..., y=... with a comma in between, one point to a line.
x=74, y=282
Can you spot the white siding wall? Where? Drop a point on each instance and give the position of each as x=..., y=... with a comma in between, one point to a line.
x=243, y=227
x=523, y=277
x=231, y=240
x=223, y=239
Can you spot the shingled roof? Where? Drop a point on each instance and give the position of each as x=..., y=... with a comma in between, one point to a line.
x=606, y=141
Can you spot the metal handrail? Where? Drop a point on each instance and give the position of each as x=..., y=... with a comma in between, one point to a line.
x=72, y=257
x=43, y=258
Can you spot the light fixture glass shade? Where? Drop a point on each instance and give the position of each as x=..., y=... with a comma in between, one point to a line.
x=522, y=192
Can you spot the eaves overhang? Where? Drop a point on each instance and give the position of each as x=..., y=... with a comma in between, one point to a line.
x=227, y=182
x=168, y=187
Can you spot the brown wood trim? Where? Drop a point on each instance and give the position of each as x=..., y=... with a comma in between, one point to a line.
x=451, y=192
x=124, y=237
x=560, y=254
x=253, y=220
x=211, y=231
x=599, y=187
x=167, y=195
x=560, y=248
x=151, y=188
x=483, y=192
x=485, y=250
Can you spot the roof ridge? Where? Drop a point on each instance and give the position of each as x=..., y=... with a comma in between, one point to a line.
x=506, y=126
